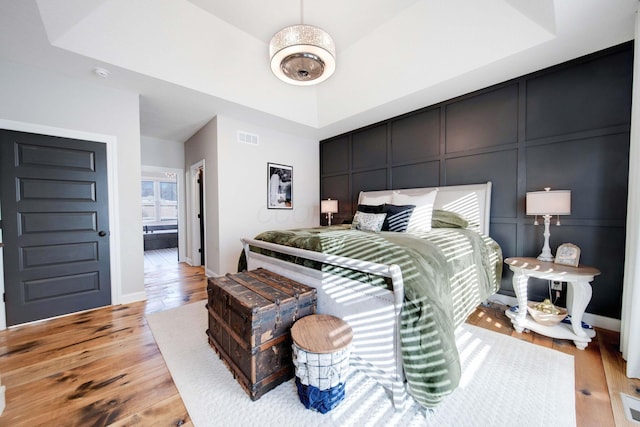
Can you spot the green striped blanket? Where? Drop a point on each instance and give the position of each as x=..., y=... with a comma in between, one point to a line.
x=447, y=272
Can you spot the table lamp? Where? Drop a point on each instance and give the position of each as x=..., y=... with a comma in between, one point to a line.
x=329, y=207
x=548, y=203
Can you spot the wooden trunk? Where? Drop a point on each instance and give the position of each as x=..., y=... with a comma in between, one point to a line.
x=250, y=316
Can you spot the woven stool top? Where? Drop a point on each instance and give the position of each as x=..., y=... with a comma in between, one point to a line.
x=321, y=333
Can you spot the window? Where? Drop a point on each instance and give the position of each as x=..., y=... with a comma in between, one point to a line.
x=159, y=201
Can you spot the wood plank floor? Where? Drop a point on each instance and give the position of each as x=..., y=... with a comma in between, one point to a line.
x=159, y=258
x=102, y=367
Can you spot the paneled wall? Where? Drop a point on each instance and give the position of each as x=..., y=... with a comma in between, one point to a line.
x=566, y=127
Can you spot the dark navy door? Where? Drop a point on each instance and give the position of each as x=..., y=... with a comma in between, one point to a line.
x=55, y=225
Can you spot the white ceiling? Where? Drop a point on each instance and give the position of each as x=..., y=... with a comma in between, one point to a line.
x=193, y=59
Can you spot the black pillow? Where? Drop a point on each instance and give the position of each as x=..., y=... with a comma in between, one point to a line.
x=371, y=208
x=397, y=218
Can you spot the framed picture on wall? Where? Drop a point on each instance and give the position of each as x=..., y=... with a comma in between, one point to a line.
x=279, y=186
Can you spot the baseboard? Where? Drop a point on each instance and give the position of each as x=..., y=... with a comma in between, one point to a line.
x=2, y=401
x=133, y=297
x=211, y=273
x=592, y=319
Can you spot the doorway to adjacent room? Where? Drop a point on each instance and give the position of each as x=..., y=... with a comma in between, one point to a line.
x=161, y=217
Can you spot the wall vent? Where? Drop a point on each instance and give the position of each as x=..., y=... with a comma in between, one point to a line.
x=247, y=138
x=631, y=408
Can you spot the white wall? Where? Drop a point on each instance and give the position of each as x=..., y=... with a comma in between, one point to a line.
x=236, y=185
x=242, y=185
x=161, y=153
x=202, y=146
x=630, y=318
x=32, y=98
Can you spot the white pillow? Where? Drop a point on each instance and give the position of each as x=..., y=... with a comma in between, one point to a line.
x=421, y=217
x=368, y=221
x=370, y=199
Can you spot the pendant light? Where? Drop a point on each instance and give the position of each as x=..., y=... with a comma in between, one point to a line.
x=302, y=54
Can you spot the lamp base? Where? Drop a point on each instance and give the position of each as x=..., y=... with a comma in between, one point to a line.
x=546, y=255
x=543, y=257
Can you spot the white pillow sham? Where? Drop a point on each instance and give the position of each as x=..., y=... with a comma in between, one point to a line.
x=370, y=199
x=421, y=217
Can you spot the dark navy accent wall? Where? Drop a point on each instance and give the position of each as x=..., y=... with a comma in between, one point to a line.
x=565, y=127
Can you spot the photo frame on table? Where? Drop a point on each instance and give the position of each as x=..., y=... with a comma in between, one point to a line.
x=568, y=254
x=279, y=186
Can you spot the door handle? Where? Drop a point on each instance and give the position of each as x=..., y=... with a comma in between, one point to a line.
x=102, y=233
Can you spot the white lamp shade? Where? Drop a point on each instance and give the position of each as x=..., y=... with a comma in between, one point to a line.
x=328, y=206
x=556, y=202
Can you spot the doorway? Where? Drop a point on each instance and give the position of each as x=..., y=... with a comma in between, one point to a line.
x=200, y=185
x=197, y=214
x=55, y=209
x=162, y=210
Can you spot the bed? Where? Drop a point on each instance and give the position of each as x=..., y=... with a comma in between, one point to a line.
x=403, y=293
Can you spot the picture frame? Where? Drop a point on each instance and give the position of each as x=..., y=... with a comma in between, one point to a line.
x=568, y=254
x=279, y=186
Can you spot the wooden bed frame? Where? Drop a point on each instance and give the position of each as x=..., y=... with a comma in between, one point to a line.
x=372, y=312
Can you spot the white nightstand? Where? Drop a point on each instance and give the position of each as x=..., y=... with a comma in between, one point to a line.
x=578, y=296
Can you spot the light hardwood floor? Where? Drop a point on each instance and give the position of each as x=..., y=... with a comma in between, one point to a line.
x=158, y=258
x=102, y=367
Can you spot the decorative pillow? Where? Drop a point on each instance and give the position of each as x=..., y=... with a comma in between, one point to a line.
x=421, y=217
x=448, y=219
x=371, y=208
x=368, y=221
x=370, y=199
x=397, y=217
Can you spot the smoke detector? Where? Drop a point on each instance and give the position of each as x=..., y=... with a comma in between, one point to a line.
x=101, y=72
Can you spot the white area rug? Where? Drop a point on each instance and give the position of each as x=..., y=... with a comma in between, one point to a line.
x=505, y=381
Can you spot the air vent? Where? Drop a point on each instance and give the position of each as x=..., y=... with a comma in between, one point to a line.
x=247, y=138
x=631, y=408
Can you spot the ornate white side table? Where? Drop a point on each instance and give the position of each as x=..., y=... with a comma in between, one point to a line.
x=578, y=296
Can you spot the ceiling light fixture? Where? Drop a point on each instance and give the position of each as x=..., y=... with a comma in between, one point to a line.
x=302, y=54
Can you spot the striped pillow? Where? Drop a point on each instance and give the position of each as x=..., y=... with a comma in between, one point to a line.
x=397, y=219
